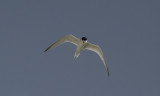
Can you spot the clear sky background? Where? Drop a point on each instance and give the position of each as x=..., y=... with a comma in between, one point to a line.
x=128, y=32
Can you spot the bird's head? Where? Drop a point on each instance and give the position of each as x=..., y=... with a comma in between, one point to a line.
x=84, y=39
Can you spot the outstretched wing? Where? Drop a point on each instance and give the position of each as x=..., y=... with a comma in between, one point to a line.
x=68, y=38
x=98, y=50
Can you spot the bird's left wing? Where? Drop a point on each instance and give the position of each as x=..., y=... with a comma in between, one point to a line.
x=67, y=38
x=98, y=50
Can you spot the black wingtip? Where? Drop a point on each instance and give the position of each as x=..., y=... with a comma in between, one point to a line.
x=108, y=74
x=45, y=50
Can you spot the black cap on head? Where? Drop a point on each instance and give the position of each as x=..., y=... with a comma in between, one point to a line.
x=84, y=38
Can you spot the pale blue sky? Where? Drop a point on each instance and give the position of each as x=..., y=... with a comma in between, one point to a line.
x=127, y=30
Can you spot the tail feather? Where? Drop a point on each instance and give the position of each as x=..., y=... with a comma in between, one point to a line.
x=76, y=55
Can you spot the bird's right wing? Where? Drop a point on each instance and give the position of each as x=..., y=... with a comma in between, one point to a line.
x=97, y=49
x=68, y=38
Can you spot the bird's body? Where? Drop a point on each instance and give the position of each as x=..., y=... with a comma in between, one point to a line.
x=81, y=45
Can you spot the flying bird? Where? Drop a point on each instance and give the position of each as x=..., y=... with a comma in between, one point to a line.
x=81, y=45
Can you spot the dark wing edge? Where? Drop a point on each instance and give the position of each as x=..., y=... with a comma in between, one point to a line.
x=68, y=38
x=98, y=50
